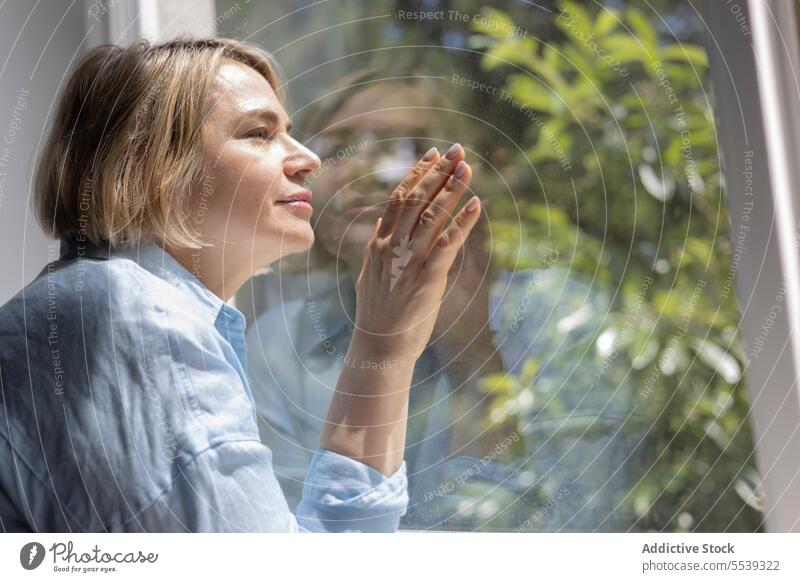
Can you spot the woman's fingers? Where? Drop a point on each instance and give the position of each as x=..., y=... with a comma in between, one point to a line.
x=438, y=213
x=423, y=192
x=446, y=248
x=396, y=200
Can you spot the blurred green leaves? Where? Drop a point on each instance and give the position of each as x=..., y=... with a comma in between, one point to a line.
x=629, y=107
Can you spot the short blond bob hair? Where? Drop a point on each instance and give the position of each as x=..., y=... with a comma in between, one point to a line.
x=124, y=147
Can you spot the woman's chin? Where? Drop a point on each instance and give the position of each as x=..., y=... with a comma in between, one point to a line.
x=297, y=240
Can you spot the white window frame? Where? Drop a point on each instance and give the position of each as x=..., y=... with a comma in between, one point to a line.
x=126, y=21
x=757, y=111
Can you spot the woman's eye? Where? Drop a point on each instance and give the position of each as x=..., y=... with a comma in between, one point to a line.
x=260, y=133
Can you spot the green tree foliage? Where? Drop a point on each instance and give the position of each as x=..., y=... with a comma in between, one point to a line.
x=621, y=138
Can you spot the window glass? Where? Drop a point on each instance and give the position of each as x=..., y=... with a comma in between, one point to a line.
x=585, y=372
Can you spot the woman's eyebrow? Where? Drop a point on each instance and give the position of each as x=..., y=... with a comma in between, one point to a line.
x=269, y=116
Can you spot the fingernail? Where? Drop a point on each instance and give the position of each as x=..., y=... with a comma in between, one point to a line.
x=429, y=155
x=461, y=167
x=453, y=151
x=472, y=205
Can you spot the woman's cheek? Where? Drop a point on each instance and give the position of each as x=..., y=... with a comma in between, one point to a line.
x=259, y=186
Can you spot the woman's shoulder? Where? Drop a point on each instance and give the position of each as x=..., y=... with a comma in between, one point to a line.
x=81, y=291
x=84, y=328
x=84, y=379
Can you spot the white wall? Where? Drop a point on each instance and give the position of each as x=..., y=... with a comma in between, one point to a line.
x=38, y=43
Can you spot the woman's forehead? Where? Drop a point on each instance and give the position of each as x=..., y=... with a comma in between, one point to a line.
x=239, y=89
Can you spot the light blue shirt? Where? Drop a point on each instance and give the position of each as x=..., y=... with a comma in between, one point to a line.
x=125, y=406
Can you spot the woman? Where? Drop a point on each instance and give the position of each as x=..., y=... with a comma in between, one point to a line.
x=171, y=177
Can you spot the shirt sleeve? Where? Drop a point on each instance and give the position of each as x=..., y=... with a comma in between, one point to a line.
x=232, y=487
x=341, y=494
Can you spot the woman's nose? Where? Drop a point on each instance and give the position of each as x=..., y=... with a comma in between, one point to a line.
x=302, y=160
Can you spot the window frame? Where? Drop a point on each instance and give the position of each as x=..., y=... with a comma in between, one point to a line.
x=749, y=119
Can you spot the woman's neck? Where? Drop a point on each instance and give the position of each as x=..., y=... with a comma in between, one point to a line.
x=222, y=270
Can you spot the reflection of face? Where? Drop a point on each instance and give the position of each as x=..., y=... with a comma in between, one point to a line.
x=252, y=164
x=371, y=143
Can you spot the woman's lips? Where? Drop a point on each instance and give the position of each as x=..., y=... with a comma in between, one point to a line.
x=300, y=200
x=295, y=205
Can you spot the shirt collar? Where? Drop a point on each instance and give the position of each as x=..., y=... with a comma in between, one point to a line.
x=160, y=263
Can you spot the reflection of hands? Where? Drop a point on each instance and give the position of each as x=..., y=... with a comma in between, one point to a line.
x=408, y=257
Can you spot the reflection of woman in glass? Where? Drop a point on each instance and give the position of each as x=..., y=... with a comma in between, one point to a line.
x=171, y=176
x=368, y=130
x=366, y=140
x=393, y=122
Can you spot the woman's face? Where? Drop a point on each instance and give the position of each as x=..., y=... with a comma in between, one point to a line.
x=253, y=166
x=369, y=146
